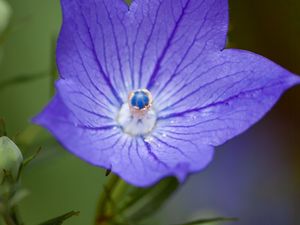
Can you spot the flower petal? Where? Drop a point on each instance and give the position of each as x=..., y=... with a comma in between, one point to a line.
x=105, y=43
x=138, y=161
x=170, y=34
x=91, y=46
x=143, y=162
x=203, y=96
x=93, y=144
x=88, y=107
x=231, y=91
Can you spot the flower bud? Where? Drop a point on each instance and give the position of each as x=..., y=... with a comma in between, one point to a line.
x=10, y=158
x=5, y=12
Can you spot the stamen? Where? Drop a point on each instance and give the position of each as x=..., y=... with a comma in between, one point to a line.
x=140, y=101
x=137, y=116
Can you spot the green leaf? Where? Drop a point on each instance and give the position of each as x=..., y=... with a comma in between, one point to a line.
x=28, y=161
x=145, y=202
x=24, y=78
x=121, y=203
x=60, y=219
x=209, y=221
x=32, y=157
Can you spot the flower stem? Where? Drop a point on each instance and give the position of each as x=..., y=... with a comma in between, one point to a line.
x=8, y=220
x=10, y=214
x=105, y=203
x=15, y=216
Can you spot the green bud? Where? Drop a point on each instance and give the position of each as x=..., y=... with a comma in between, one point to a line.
x=10, y=157
x=5, y=12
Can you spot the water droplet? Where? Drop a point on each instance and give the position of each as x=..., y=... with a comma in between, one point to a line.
x=148, y=139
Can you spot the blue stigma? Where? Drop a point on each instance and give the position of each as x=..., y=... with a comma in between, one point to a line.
x=140, y=99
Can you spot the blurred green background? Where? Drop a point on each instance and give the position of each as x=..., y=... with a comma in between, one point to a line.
x=255, y=177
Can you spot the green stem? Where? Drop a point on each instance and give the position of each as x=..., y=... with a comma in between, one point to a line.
x=15, y=216
x=11, y=217
x=8, y=219
x=103, y=214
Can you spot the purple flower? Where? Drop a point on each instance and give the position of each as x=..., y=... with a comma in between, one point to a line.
x=187, y=94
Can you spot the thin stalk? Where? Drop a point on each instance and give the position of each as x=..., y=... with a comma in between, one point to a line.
x=102, y=214
x=8, y=219
x=15, y=216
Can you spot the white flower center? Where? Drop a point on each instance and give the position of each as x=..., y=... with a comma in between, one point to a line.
x=133, y=125
x=137, y=117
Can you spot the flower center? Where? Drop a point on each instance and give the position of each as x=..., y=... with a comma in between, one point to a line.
x=137, y=116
